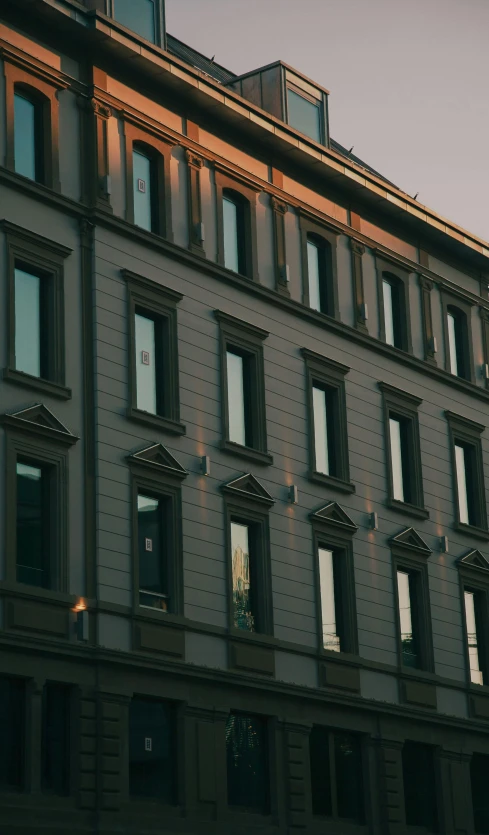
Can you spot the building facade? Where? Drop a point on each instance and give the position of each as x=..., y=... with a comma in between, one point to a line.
x=244, y=564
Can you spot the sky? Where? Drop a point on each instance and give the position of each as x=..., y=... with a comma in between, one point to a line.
x=408, y=81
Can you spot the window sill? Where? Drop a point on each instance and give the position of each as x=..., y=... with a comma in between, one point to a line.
x=22, y=590
x=331, y=481
x=472, y=530
x=263, y=639
x=408, y=509
x=37, y=383
x=247, y=452
x=174, y=427
x=157, y=616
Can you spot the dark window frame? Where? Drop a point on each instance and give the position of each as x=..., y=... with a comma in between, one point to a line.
x=474, y=577
x=245, y=813
x=399, y=274
x=327, y=240
x=161, y=302
x=20, y=744
x=160, y=28
x=468, y=433
x=320, y=104
x=332, y=733
x=246, y=195
x=401, y=404
x=415, y=564
x=435, y=793
x=330, y=375
x=177, y=731
x=70, y=752
x=158, y=149
x=476, y=755
x=248, y=340
x=25, y=249
x=463, y=308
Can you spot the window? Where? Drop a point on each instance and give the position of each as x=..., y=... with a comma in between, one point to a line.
x=418, y=771
x=336, y=775
x=153, y=347
x=328, y=435
x=319, y=267
x=403, y=451
x=144, y=190
x=333, y=627
x=28, y=136
x=55, y=776
x=236, y=225
x=33, y=524
x=153, y=552
x=393, y=294
x=148, y=192
x=457, y=314
x=468, y=480
x=36, y=351
x=245, y=615
x=12, y=734
x=247, y=763
x=233, y=218
x=475, y=610
x=304, y=113
x=138, y=15
x=152, y=750
x=479, y=769
x=243, y=388
x=408, y=620
x=411, y=592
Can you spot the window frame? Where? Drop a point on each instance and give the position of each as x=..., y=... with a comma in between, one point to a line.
x=71, y=752
x=247, y=195
x=400, y=274
x=402, y=404
x=464, y=309
x=436, y=794
x=319, y=103
x=334, y=818
x=413, y=560
x=22, y=743
x=468, y=433
x=161, y=302
x=135, y=800
x=327, y=237
x=234, y=333
x=247, y=812
x=473, y=572
x=46, y=259
x=331, y=375
x=158, y=148
x=160, y=27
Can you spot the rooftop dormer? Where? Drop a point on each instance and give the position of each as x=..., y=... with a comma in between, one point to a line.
x=144, y=17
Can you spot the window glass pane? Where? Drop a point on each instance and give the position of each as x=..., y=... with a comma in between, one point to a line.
x=231, y=234
x=141, y=166
x=331, y=639
x=243, y=614
x=247, y=762
x=138, y=15
x=452, y=343
x=55, y=739
x=152, y=582
x=25, y=136
x=320, y=772
x=31, y=526
x=28, y=323
x=463, y=502
x=479, y=771
x=304, y=115
x=349, y=783
x=419, y=785
x=152, y=765
x=388, y=312
x=236, y=398
x=314, y=274
x=145, y=364
x=408, y=643
x=476, y=676
x=12, y=718
x=396, y=459
x=321, y=441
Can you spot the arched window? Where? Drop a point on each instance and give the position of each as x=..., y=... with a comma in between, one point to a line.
x=394, y=310
x=457, y=348
x=145, y=187
x=28, y=134
x=320, y=274
x=234, y=214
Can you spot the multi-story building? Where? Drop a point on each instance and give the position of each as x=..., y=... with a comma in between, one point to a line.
x=243, y=448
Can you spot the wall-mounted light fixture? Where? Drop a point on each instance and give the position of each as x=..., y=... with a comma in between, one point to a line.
x=293, y=494
x=205, y=465
x=373, y=521
x=444, y=544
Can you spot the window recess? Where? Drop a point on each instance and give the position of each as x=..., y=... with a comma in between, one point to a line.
x=145, y=18
x=411, y=594
x=457, y=330
x=420, y=793
x=153, y=750
x=236, y=224
x=336, y=760
x=473, y=570
x=319, y=268
x=468, y=478
x=12, y=733
x=148, y=186
x=479, y=769
x=248, y=777
x=394, y=313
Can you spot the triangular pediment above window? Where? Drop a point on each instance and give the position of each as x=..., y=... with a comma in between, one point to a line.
x=247, y=486
x=40, y=420
x=334, y=515
x=410, y=539
x=157, y=457
x=474, y=559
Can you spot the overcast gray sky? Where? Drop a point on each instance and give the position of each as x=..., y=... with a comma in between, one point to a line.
x=408, y=80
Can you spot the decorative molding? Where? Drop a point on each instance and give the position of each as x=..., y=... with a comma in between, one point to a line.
x=40, y=420
x=193, y=159
x=158, y=458
x=410, y=539
x=247, y=486
x=333, y=515
x=474, y=560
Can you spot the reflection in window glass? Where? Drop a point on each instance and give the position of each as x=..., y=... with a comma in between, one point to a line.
x=25, y=137
x=479, y=769
x=388, y=292
x=243, y=605
x=146, y=399
x=236, y=397
x=231, y=224
x=405, y=588
x=349, y=783
x=395, y=431
x=314, y=273
x=138, y=15
x=321, y=402
x=461, y=469
x=152, y=766
x=336, y=775
x=331, y=638
x=12, y=722
x=247, y=762
x=32, y=532
x=55, y=739
x=304, y=115
x=141, y=167
x=152, y=581
x=452, y=343
x=476, y=675
x=28, y=323
x=419, y=786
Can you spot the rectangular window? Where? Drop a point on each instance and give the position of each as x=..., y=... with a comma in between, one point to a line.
x=463, y=466
x=323, y=409
x=468, y=472
x=453, y=347
x=12, y=730
x=27, y=137
x=153, y=562
x=314, y=273
x=407, y=596
x=404, y=473
x=336, y=775
x=243, y=571
x=399, y=459
x=33, y=525
x=28, y=312
x=152, y=750
x=142, y=183
x=474, y=626
x=330, y=593
x=137, y=15
x=304, y=115
x=418, y=769
x=56, y=739
x=238, y=402
x=247, y=763
x=148, y=381
x=390, y=317
x=479, y=769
